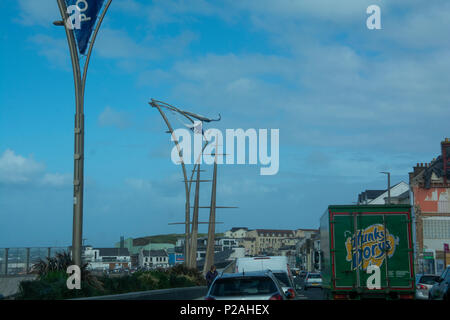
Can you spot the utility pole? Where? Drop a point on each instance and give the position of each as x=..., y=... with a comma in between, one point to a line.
x=389, y=186
x=80, y=82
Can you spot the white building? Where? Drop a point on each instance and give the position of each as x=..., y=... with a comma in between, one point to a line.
x=106, y=258
x=396, y=191
x=236, y=233
x=153, y=259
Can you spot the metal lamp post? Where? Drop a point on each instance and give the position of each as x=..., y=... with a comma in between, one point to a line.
x=79, y=81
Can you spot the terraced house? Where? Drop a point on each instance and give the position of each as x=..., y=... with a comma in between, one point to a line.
x=267, y=241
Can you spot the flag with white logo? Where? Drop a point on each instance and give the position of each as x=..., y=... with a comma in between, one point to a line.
x=87, y=11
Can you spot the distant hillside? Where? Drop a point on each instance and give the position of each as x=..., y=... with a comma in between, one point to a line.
x=165, y=238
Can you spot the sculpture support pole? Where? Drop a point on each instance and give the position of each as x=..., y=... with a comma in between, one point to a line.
x=187, y=191
x=195, y=221
x=209, y=259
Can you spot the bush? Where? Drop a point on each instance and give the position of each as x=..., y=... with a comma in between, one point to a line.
x=51, y=283
x=52, y=286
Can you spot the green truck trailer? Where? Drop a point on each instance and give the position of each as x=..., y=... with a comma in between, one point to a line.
x=353, y=243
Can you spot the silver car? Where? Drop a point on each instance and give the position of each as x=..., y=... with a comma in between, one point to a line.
x=256, y=285
x=424, y=282
x=313, y=280
x=286, y=282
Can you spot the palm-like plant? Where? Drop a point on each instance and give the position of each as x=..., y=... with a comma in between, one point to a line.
x=59, y=263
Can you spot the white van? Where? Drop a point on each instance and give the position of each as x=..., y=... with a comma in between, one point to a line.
x=277, y=264
x=262, y=263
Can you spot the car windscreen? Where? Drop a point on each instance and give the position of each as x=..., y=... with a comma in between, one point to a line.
x=313, y=276
x=283, y=278
x=428, y=279
x=243, y=286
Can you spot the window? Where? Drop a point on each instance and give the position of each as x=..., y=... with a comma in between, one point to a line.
x=436, y=229
x=243, y=286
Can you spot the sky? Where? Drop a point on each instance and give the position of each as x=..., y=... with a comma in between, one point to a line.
x=349, y=102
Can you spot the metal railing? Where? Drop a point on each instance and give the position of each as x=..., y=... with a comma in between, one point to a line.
x=18, y=261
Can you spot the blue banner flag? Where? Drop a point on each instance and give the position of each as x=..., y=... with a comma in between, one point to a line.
x=85, y=17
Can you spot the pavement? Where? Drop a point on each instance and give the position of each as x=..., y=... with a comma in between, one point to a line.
x=9, y=285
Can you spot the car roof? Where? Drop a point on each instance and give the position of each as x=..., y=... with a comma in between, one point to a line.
x=246, y=274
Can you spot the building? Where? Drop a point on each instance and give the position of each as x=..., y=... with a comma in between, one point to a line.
x=236, y=233
x=268, y=241
x=153, y=259
x=367, y=196
x=399, y=192
x=134, y=246
x=227, y=243
x=305, y=233
x=249, y=244
x=430, y=197
x=308, y=253
x=106, y=258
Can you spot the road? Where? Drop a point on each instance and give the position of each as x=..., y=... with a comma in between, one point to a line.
x=310, y=294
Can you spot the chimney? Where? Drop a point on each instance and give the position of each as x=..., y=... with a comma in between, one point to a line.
x=418, y=169
x=445, y=147
x=122, y=242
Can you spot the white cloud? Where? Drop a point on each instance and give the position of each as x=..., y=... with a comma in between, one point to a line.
x=55, y=50
x=42, y=12
x=112, y=118
x=56, y=179
x=16, y=169
x=19, y=170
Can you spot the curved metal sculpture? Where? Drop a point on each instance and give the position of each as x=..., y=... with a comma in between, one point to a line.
x=190, y=243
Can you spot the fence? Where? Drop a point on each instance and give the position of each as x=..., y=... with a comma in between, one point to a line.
x=18, y=261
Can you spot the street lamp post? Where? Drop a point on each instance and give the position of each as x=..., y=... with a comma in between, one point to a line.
x=389, y=186
x=79, y=81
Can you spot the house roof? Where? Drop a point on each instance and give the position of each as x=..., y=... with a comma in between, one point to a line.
x=238, y=228
x=154, y=253
x=384, y=194
x=112, y=252
x=402, y=196
x=370, y=195
x=278, y=233
x=436, y=167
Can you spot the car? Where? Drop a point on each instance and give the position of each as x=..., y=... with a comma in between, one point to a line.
x=277, y=264
x=253, y=285
x=313, y=280
x=287, y=283
x=440, y=290
x=302, y=274
x=424, y=282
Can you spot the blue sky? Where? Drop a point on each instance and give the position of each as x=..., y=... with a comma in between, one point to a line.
x=349, y=102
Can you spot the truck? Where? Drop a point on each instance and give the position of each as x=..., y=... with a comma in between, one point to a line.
x=367, y=252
